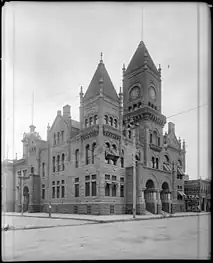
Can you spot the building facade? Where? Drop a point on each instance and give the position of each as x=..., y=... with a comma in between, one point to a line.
x=198, y=195
x=87, y=166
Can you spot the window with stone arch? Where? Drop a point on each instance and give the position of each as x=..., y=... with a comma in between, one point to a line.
x=90, y=121
x=87, y=153
x=95, y=119
x=122, y=158
x=58, y=163
x=107, y=148
x=53, y=164
x=166, y=159
x=157, y=163
x=76, y=158
x=93, y=152
x=111, y=121
x=115, y=123
x=62, y=161
x=106, y=119
x=155, y=137
x=86, y=123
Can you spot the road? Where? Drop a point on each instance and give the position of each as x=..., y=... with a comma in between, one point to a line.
x=172, y=238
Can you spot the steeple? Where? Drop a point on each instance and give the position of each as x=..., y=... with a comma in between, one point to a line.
x=107, y=86
x=141, y=58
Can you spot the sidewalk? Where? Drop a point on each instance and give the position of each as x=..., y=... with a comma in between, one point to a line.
x=105, y=218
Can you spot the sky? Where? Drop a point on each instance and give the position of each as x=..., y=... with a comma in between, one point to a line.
x=51, y=49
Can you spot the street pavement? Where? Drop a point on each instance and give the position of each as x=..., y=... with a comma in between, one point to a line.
x=170, y=238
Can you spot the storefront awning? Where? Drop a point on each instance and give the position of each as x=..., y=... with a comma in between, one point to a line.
x=180, y=171
x=167, y=167
x=181, y=193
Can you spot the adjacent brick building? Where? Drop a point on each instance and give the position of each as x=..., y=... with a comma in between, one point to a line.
x=86, y=166
x=198, y=194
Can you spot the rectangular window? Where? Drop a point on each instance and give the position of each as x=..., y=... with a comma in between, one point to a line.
x=150, y=138
x=19, y=173
x=58, y=182
x=114, y=178
x=76, y=180
x=158, y=141
x=121, y=179
x=76, y=190
x=62, y=136
x=43, y=169
x=53, y=192
x=107, y=177
x=121, y=190
x=43, y=191
x=87, y=178
x=53, y=182
x=94, y=177
x=87, y=189
x=114, y=190
x=62, y=191
x=107, y=190
x=62, y=181
x=58, y=191
x=94, y=189
x=24, y=173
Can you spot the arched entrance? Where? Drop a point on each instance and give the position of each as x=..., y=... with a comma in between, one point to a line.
x=150, y=196
x=165, y=197
x=26, y=198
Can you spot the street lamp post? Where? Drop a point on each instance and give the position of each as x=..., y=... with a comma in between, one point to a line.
x=132, y=126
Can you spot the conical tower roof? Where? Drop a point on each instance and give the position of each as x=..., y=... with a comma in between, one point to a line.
x=94, y=86
x=138, y=60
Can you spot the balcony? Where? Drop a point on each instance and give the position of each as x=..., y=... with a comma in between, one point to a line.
x=111, y=132
x=155, y=147
x=89, y=132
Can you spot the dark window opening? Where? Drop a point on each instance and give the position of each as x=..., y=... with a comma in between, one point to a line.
x=94, y=189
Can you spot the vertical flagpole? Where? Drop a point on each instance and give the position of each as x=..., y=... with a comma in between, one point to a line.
x=142, y=26
x=198, y=112
x=32, y=107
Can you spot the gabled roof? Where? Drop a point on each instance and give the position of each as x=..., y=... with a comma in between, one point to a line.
x=137, y=61
x=94, y=86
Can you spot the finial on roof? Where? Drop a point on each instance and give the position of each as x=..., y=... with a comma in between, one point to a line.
x=101, y=61
x=48, y=126
x=159, y=69
x=81, y=92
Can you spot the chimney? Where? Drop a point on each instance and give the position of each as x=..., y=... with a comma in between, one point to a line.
x=59, y=113
x=171, y=127
x=66, y=110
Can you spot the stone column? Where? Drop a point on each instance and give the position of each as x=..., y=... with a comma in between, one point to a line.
x=159, y=203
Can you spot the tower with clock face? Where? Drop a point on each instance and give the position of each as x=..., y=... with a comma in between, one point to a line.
x=142, y=93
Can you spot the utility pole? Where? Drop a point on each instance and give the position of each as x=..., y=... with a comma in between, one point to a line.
x=134, y=172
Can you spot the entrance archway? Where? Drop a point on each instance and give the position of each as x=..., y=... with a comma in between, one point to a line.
x=164, y=196
x=149, y=196
x=26, y=198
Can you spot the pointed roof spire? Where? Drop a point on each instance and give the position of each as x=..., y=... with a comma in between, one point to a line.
x=101, y=60
x=101, y=76
x=141, y=58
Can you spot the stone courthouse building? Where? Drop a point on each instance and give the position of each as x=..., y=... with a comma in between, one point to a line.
x=87, y=166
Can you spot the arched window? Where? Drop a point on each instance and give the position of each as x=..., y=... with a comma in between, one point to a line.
x=115, y=151
x=62, y=160
x=62, y=136
x=157, y=163
x=153, y=162
x=76, y=158
x=150, y=137
x=155, y=137
x=93, y=152
x=135, y=107
x=95, y=119
x=139, y=105
x=53, y=164
x=149, y=104
x=43, y=169
x=129, y=134
x=32, y=170
x=166, y=159
x=116, y=123
x=86, y=123
x=87, y=154
x=158, y=141
x=111, y=121
x=130, y=109
x=90, y=121
x=105, y=119
x=107, y=146
x=54, y=139
x=122, y=158
x=58, y=163
x=58, y=138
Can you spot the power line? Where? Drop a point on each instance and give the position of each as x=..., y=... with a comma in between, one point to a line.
x=187, y=110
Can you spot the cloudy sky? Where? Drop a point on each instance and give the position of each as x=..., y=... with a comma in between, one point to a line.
x=55, y=48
